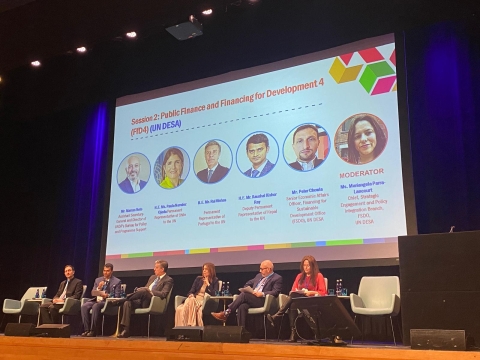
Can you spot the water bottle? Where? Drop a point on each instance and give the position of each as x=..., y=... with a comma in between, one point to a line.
x=112, y=292
x=37, y=294
x=44, y=293
x=227, y=289
x=337, y=288
x=222, y=293
x=122, y=293
x=340, y=287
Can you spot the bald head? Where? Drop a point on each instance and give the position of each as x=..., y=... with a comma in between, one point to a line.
x=133, y=168
x=266, y=268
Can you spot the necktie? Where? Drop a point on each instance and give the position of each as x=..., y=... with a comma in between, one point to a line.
x=210, y=172
x=261, y=284
x=255, y=173
x=64, y=293
x=154, y=283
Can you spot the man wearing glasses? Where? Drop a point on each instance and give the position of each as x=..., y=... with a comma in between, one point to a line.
x=265, y=283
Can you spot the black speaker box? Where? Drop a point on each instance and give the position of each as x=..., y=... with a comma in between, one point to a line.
x=434, y=339
x=187, y=333
x=15, y=329
x=226, y=334
x=53, y=330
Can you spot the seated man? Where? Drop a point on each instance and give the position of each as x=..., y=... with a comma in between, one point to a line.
x=107, y=283
x=265, y=283
x=159, y=285
x=70, y=288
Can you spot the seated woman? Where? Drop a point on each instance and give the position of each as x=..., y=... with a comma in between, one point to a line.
x=190, y=312
x=366, y=140
x=309, y=282
x=172, y=168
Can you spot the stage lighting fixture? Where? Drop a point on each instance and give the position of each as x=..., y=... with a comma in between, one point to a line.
x=81, y=49
x=187, y=30
x=35, y=63
x=207, y=12
x=132, y=34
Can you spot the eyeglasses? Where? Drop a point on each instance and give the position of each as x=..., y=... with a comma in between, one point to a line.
x=261, y=269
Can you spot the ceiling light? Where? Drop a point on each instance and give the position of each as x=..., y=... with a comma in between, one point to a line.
x=132, y=34
x=35, y=63
x=207, y=12
x=81, y=49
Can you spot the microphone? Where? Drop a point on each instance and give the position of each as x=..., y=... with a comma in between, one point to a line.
x=451, y=229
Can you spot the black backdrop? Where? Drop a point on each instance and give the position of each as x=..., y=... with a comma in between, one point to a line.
x=44, y=223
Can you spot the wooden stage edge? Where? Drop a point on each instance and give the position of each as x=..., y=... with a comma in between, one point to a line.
x=23, y=348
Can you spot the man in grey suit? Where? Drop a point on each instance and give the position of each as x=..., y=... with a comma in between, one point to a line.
x=159, y=285
x=108, y=284
x=257, y=150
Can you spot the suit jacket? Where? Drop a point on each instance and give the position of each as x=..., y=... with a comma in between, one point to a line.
x=198, y=283
x=297, y=166
x=266, y=169
x=126, y=186
x=74, y=289
x=163, y=287
x=114, y=281
x=273, y=285
x=219, y=173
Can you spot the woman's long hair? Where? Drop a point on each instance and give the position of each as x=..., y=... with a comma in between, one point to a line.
x=313, y=270
x=353, y=155
x=168, y=153
x=211, y=270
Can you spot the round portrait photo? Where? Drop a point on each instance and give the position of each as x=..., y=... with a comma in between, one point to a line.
x=212, y=161
x=306, y=147
x=133, y=173
x=361, y=138
x=257, y=154
x=171, y=168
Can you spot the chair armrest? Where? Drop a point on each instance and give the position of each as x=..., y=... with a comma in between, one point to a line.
x=396, y=305
x=158, y=306
x=9, y=304
x=179, y=300
x=71, y=307
x=30, y=308
x=46, y=300
x=356, y=302
x=209, y=305
x=83, y=301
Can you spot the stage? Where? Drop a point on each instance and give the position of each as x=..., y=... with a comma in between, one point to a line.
x=22, y=348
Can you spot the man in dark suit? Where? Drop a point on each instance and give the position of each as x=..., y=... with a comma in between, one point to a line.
x=69, y=288
x=159, y=285
x=265, y=283
x=132, y=182
x=257, y=150
x=214, y=171
x=305, y=146
x=108, y=284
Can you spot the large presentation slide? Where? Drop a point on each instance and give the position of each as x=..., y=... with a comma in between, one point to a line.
x=287, y=159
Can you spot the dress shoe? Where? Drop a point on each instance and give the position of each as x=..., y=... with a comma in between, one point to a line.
x=293, y=335
x=124, y=334
x=220, y=316
x=85, y=333
x=271, y=319
x=91, y=334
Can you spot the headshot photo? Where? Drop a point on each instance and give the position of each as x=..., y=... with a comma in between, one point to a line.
x=306, y=147
x=257, y=154
x=361, y=138
x=213, y=161
x=133, y=173
x=171, y=168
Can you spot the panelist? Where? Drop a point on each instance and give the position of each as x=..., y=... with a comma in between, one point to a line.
x=265, y=283
x=214, y=171
x=69, y=288
x=257, y=150
x=172, y=168
x=190, y=312
x=159, y=285
x=309, y=282
x=132, y=182
x=366, y=140
x=107, y=283
x=305, y=146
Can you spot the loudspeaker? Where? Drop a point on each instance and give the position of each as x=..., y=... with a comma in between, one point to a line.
x=53, y=330
x=433, y=339
x=226, y=334
x=187, y=333
x=15, y=329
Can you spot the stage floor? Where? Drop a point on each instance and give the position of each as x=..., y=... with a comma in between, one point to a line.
x=22, y=348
